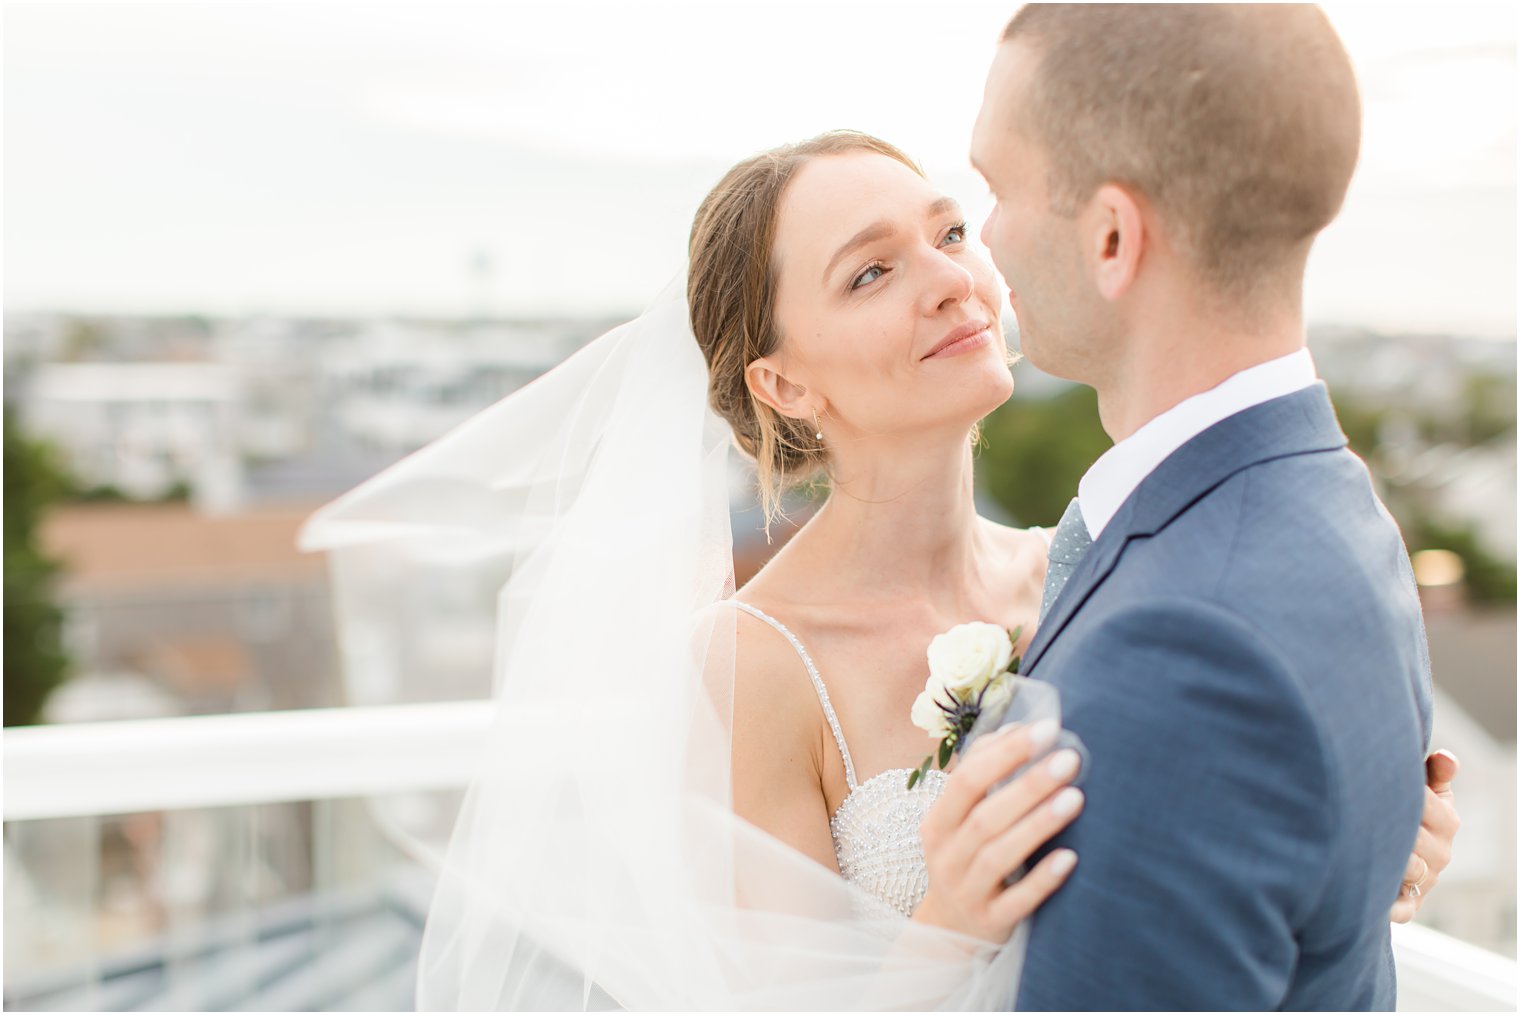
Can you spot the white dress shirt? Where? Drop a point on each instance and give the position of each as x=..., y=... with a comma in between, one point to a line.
x=1112, y=478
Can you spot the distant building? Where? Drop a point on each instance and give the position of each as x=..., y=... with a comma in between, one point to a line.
x=261, y=409
x=1422, y=372
x=1477, y=485
x=221, y=612
x=143, y=428
x=172, y=612
x=393, y=387
x=278, y=362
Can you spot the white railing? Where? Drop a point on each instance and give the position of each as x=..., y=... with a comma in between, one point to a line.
x=1438, y=972
x=93, y=769
x=99, y=768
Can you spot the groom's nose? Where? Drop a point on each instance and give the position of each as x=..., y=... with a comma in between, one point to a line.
x=987, y=228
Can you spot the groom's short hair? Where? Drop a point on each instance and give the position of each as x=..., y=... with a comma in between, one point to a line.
x=1241, y=123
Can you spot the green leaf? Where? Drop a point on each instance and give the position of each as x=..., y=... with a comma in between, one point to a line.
x=946, y=746
x=919, y=772
x=1014, y=635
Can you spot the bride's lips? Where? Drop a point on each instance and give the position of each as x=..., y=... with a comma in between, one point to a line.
x=967, y=336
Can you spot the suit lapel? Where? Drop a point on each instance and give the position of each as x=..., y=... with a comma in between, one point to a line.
x=1100, y=560
x=1300, y=423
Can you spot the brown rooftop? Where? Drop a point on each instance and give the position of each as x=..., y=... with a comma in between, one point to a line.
x=122, y=547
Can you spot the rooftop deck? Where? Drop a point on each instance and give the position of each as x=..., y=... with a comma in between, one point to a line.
x=347, y=940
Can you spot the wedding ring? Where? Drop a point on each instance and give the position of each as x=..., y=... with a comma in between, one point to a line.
x=1412, y=889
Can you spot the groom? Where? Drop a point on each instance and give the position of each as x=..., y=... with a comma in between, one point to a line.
x=1238, y=639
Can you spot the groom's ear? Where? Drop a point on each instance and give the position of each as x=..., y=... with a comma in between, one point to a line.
x=1116, y=238
x=768, y=384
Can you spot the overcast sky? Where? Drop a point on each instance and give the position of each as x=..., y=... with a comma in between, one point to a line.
x=234, y=158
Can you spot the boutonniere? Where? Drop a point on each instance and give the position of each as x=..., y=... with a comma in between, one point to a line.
x=971, y=669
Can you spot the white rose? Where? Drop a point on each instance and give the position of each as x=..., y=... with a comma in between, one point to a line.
x=965, y=657
x=996, y=699
x=927, y=715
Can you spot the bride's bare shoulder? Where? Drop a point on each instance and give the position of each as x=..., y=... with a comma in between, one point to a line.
x=771, y=681
x=1025, y=548
x=777, y=731
x=1015, y=536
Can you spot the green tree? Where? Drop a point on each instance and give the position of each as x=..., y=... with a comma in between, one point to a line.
x=1035, y=451
x=83, y=341
x=1489, y=579
x=1488, y=402
x=34, y=658
x=1487, y=413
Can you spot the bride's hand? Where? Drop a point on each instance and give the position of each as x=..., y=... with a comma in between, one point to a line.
x=973, y=840
x=1432, y=847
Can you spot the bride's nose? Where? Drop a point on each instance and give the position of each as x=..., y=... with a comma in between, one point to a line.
x=948, y=283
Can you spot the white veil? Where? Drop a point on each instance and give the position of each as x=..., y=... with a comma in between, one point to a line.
x=597, y=861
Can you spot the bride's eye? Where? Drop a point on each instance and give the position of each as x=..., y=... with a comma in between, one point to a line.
x=871, y=274
x=956, y=233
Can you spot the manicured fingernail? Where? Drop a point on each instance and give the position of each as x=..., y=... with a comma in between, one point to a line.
x=1042, y=734
x=1062, y=861
x=1063, y=764
x=1066, y=802
x=996, y=736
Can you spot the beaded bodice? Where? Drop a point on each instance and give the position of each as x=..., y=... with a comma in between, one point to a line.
x=875, y=829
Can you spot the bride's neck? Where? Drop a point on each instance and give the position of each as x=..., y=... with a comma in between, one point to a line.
x=899, y=523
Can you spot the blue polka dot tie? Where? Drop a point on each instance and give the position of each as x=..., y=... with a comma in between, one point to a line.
x=1066, y=549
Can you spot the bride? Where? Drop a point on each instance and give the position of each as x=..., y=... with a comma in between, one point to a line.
x=893, y=353
x=695, y=796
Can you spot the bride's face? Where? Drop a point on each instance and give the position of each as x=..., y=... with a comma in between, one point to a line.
x=885, y=315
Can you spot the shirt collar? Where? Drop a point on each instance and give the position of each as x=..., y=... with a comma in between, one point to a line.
x=1123, y=467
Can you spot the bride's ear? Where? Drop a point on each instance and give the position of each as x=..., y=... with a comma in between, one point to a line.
x=771, y=387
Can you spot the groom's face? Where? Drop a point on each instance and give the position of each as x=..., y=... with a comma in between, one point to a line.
x=1035, y=249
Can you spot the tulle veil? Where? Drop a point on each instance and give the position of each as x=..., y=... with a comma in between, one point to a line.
x=596, y=862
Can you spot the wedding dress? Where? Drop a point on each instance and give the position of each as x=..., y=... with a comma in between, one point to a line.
x=875, y=829
x=597, y=860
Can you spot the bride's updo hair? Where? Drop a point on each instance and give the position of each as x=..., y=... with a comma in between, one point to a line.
x=731, y=287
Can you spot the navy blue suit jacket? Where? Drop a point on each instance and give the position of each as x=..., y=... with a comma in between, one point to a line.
x=1243, y=654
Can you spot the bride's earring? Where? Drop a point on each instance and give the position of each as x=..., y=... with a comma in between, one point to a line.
x=818, y=427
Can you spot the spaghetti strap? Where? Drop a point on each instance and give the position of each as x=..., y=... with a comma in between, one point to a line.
x=823, y=693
